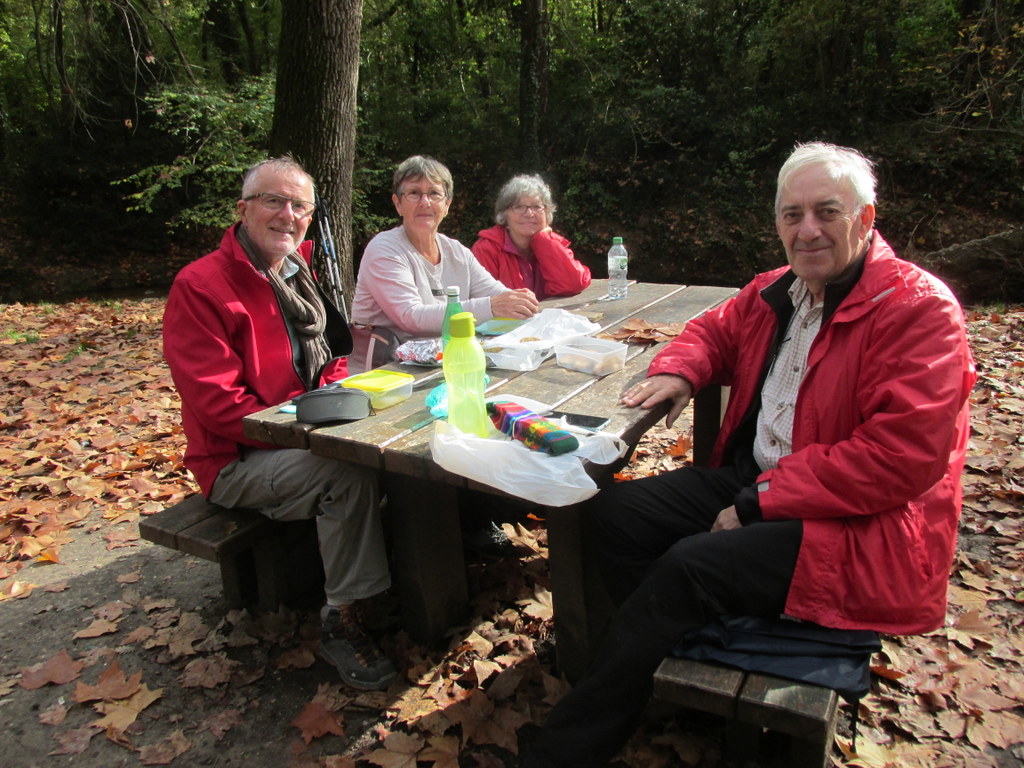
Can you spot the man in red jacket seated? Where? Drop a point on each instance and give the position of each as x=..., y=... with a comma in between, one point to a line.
x=246, y=327
x=833, y=494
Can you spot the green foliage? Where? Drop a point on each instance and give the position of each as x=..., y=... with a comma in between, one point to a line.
x=663, y=121
x=220, y=133
x=21, y=337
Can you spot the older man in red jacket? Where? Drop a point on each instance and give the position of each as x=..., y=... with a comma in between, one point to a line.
x=833, y=494
x=246, y=327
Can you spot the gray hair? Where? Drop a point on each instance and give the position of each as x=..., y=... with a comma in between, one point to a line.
x=841, y=163
x=519, y=187
x=423, y=167
x=282, y=164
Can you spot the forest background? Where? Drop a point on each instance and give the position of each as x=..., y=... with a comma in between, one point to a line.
x=125, y=124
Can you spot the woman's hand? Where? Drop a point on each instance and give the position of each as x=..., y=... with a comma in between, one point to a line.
x=665, y=386
x=520, y=304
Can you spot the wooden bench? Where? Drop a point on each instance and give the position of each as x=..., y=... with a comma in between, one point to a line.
x=751, y=703
x=263, y=563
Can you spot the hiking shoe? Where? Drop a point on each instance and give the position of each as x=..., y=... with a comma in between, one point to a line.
x=345, y=643
x=489, y=542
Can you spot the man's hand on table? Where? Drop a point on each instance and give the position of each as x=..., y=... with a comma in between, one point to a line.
x=656, y=389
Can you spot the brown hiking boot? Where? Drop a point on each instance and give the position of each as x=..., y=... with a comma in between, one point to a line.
x=345, y=643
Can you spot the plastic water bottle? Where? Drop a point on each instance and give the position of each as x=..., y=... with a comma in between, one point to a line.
x=618, y=261
x=464, y=369
x=453, y=308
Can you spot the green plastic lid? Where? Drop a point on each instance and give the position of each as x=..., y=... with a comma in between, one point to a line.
x=616, y=241
x=463, y=325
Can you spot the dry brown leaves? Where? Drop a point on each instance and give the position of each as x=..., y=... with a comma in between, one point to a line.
x=89, y=436
x=640, y=331
x=89, y=427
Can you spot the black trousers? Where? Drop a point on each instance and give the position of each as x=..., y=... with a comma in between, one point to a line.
x=669, y=575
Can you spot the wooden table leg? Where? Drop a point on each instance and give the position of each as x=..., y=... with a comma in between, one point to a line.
x=708, y=406
x=582, y=605
x=428, y=566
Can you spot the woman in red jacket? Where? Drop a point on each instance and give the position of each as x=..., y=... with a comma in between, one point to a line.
x=521, y=250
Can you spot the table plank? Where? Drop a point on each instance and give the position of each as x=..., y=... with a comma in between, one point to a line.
x=281, y=429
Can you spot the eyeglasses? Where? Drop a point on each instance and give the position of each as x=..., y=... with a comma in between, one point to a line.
x=434, y=196
x=301, y=208
x=521, y=209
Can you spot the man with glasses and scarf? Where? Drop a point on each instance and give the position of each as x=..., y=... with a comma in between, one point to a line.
x=246, y=327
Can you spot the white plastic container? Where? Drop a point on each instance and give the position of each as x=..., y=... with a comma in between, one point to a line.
x=385, y=388
x=597, y=356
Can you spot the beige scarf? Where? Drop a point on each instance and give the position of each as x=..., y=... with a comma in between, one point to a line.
x=302, y=307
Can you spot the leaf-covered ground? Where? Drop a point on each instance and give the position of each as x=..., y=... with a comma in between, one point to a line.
x=115, y=652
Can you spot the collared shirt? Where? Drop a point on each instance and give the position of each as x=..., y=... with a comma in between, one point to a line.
x=774, y=437
x=532, y=277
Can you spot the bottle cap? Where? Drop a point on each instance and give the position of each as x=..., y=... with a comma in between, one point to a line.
x=463, y=325
x=452, y=290
x=616, y=241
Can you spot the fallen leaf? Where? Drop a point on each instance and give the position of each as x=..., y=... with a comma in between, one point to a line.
x=111, y=685
x=442, y=752
x=314, y=721
x=74, y=742
x=98, y=628
x=164, y=752
x=60, y=669
x=119, y=714
x=400, y=750
x=208, y=672
x=221, y=722
x=54, y=714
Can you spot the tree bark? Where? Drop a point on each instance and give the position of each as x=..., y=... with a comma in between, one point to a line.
x=315, y=111
x=990, y=269
x=532, y=81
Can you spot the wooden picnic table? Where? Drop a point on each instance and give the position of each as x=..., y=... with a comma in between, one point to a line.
x=428, y=564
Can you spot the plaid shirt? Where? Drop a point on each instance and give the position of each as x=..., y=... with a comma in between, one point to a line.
x=778, y=396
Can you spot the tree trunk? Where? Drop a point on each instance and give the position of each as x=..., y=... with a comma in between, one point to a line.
x=315, y=112
x=532, y=81
x=987, y=270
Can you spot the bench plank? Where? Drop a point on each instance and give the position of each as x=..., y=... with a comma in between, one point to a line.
x=799, y=709
x=696, y=685
x=163, y=527
x=263, y=563
x=225, y=532
x=753, y=702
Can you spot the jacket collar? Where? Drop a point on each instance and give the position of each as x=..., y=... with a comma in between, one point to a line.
x=230, y=245
x=873, y=277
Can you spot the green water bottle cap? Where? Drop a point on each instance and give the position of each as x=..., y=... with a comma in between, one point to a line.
x=616, y=241
x=463, y=325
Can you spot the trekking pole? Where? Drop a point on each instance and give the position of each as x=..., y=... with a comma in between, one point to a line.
x=325, y=241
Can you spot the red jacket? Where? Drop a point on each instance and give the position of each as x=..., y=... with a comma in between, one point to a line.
x=560, y=273
x=879, y=436
x=230, y=354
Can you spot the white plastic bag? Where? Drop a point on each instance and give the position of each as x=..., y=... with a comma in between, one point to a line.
x=510, y=466
x=529, y=345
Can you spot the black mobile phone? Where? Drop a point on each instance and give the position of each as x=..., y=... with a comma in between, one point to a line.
x=581, y=420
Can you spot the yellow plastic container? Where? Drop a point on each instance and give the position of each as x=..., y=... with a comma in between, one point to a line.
x=385, y=388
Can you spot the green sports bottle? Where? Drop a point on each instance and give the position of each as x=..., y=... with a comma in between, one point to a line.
x=464, y=369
